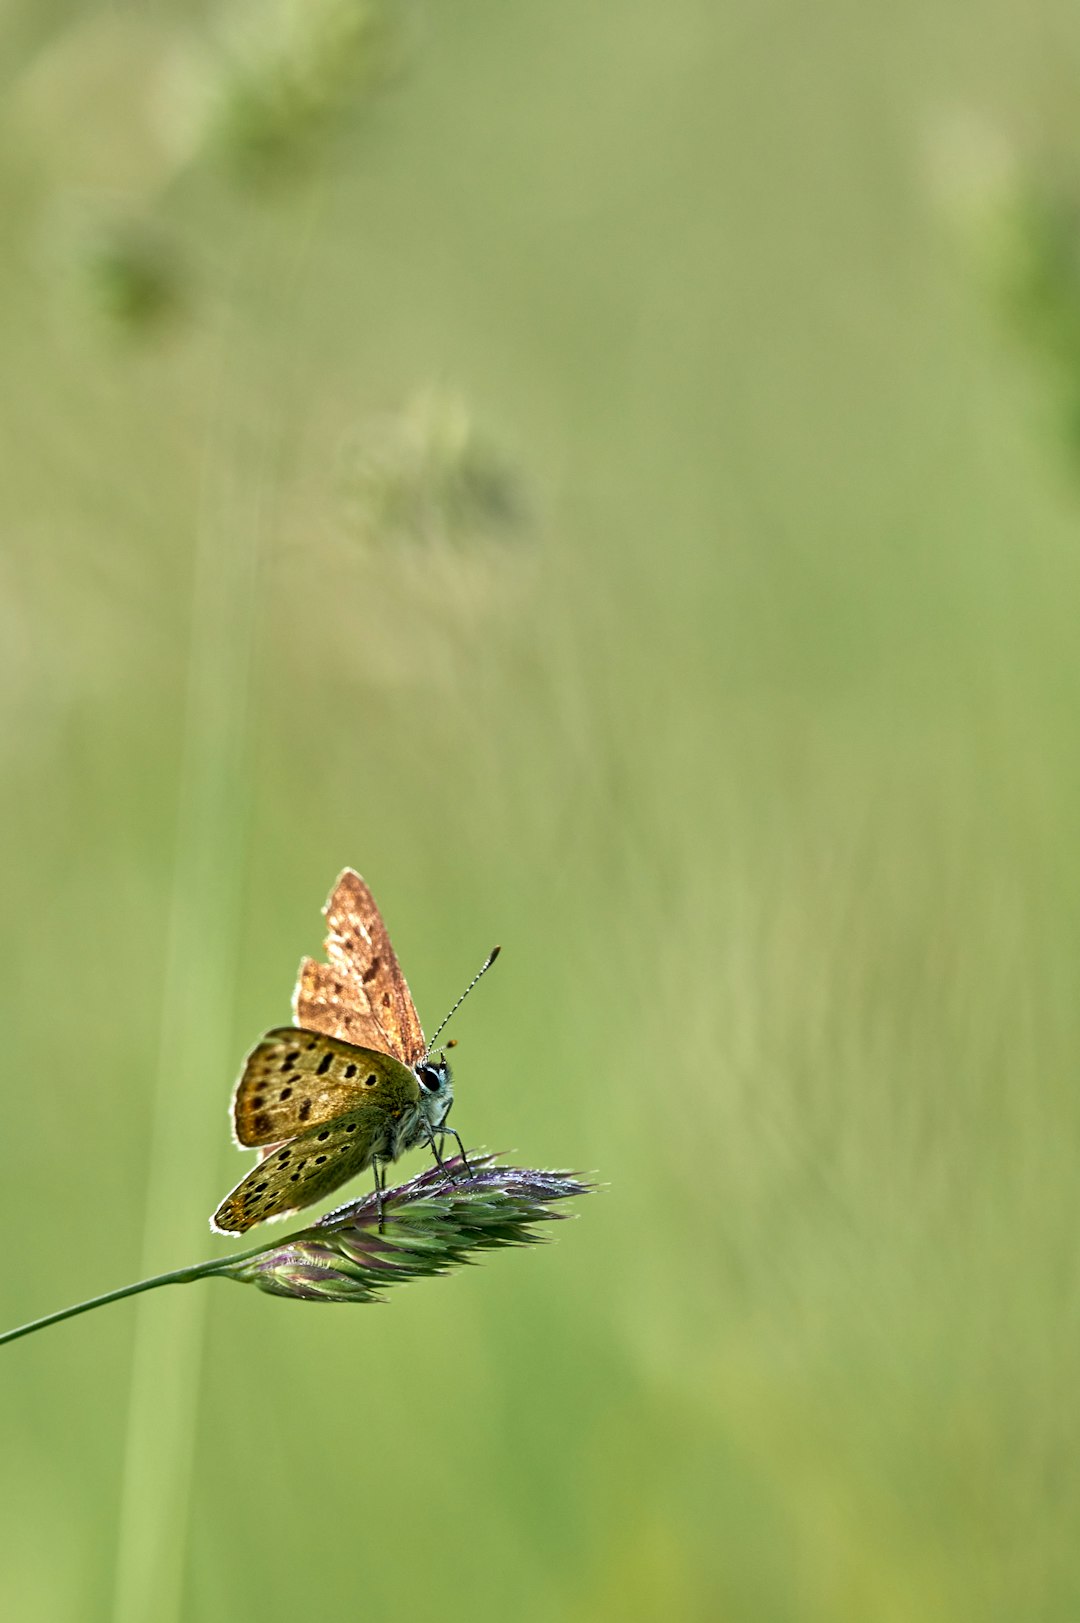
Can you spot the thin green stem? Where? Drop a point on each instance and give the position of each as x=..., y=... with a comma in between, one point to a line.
x=179, y=1276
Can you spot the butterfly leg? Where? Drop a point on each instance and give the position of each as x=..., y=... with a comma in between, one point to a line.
x=435, y=1151
x=450, y=1132
x=444, y=1132
x=380, y=1185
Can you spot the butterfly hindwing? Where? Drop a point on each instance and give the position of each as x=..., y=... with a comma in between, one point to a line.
x=320, y=1159
x=294, y=1079
x=360, y=994
x=301, y=1172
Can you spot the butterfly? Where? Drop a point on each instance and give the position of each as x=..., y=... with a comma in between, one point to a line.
x=351, y=1084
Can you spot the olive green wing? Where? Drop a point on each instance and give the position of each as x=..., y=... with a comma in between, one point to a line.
x=295, y=1079
x=319, y=1160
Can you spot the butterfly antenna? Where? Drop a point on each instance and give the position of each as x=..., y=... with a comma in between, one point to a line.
x=484, y=967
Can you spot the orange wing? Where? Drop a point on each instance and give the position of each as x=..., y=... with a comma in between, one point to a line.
x=360, y=996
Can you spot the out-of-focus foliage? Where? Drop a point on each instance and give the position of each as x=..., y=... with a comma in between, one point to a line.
x=130, y=118
x=718, y=657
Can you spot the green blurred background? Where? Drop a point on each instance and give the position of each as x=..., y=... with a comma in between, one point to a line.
x=575, y=464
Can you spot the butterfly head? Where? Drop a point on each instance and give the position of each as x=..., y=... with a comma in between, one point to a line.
x=436, y=1088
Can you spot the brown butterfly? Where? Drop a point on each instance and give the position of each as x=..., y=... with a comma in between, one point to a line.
x=352, y=1084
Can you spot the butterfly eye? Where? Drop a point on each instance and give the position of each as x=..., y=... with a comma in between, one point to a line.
x=431, y=1077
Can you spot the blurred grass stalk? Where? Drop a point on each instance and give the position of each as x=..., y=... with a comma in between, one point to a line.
x=196, y=1030
x=242, y=450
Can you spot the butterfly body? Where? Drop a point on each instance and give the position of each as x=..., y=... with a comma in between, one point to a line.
x=351, y=1085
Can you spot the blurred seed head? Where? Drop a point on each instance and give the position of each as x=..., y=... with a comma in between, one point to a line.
x=131, y=273
x=284, y=72
x=1023, y=216
x=426, y=477
x=430, y=1225
x=1040, y=280
x=1039, y=288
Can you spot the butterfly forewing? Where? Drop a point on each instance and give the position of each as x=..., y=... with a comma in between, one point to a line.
x=320, y=1159
x=294, y=1079
x=361, y=995
x=326, y=1001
